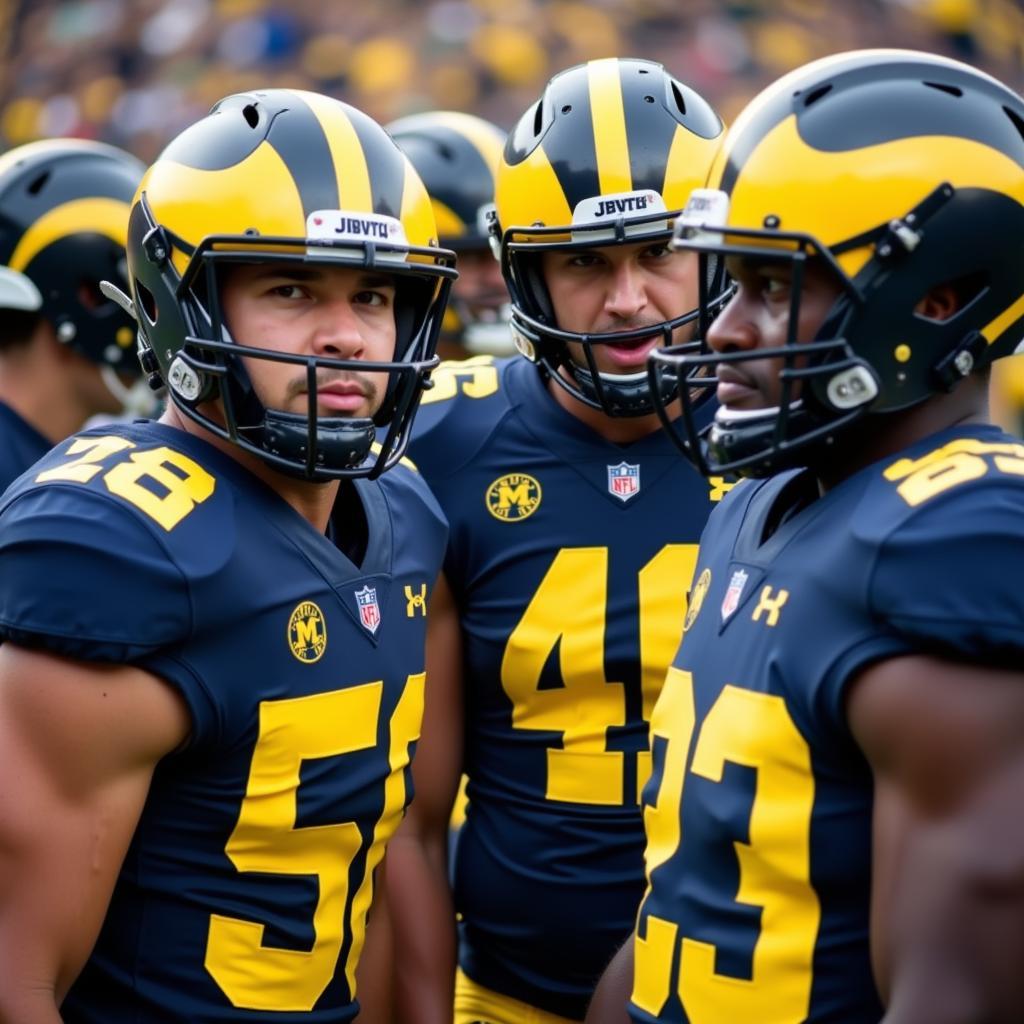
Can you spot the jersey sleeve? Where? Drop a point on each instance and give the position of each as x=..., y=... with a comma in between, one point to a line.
x=84, y=578
x=948, y=579
x=456, y=416
x=411, y=501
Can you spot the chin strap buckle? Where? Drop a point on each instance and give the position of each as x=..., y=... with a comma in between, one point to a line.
x=957, y=364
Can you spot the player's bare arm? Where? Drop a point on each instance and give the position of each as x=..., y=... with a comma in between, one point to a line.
x=417, y=861
x=612, y=993
x=946, y=744
x=78, y=744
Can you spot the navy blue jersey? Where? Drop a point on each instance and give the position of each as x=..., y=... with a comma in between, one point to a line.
x=244, y=892
x=570, y=559
x=759, y=806
x=22, y=445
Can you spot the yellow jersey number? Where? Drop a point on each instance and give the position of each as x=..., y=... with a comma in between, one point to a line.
x=755, y=730
x=258, y=977
x=569, y=609
x=953, y=464
x=475, y=378
x=181, y=483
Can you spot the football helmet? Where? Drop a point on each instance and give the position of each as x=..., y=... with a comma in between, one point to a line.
x=898, y=171
x=284, y=176
x=456, y=155
x=63, y=226
x=607, y=156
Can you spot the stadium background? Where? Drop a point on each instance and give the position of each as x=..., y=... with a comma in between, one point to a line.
x=134, y=72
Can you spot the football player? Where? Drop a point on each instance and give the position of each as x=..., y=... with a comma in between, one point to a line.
x=67, y=352
x=457, y=156
x=565, y=581
x=833, y=819
x=211, y=678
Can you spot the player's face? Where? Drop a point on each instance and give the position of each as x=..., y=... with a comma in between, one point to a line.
x=480, y=284
x=621, y=288
x=331, y=312
x=757, y=317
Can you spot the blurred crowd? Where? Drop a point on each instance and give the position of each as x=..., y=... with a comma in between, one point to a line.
x=134, y=72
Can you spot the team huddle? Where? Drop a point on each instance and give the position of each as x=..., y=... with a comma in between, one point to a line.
x=694, y=561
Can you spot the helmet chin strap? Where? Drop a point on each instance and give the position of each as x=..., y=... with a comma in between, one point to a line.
x=137, y=399
x=337, y=441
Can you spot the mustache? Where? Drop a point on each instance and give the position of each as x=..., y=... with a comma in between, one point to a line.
x=619, y=326
x=325, y=378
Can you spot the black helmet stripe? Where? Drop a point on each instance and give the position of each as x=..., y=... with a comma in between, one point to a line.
x=649, y=132
x=300, y=141
x=918, y=103
x=454, y=194
x=387, y=175
x=572, y=151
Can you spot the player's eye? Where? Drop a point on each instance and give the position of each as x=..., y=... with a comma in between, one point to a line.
x=288, y=291
x=775, y=287
x=659, y=251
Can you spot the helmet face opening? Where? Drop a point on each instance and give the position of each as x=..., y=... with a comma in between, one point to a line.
x=735, y=441
x=899, y=172
x=178, y=292
x=605, y=158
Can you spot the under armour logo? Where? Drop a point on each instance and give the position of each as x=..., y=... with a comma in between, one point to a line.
x=770, y=605
x=414, y=601
x=719, y=487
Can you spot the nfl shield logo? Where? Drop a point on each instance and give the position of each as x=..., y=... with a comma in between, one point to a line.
x=733, y=593
x=369, y=610
x=624, y=480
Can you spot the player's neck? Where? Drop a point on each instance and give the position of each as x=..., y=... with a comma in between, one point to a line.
x=45, y=401
x=313, y=501
x=879, y=437
x=618, y=430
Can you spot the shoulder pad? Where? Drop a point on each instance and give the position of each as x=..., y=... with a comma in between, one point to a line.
x=458, y=414
x=85, y=578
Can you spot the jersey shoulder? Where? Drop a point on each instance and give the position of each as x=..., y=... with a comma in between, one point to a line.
x=942, y=524
x=413, y=507
x=104, y=542
x=468, y=401
x=23, y=445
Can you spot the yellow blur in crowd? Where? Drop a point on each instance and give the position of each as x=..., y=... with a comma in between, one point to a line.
x=1006, y=395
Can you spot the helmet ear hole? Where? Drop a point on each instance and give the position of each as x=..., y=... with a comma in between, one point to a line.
x=952, y=298
x=816, y=94
x=677, y=95
x=37, y=184
x=1018, y=121
x=146, y=301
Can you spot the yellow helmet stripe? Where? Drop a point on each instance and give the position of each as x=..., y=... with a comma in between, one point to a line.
x=995, y=329
x=259, y=191
x=80, y=216
x=686, y=168
x=417, y=211
x=841, y=190
x=448, y=221
x=353, y=176
x=533, y=194
x=609, y=119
